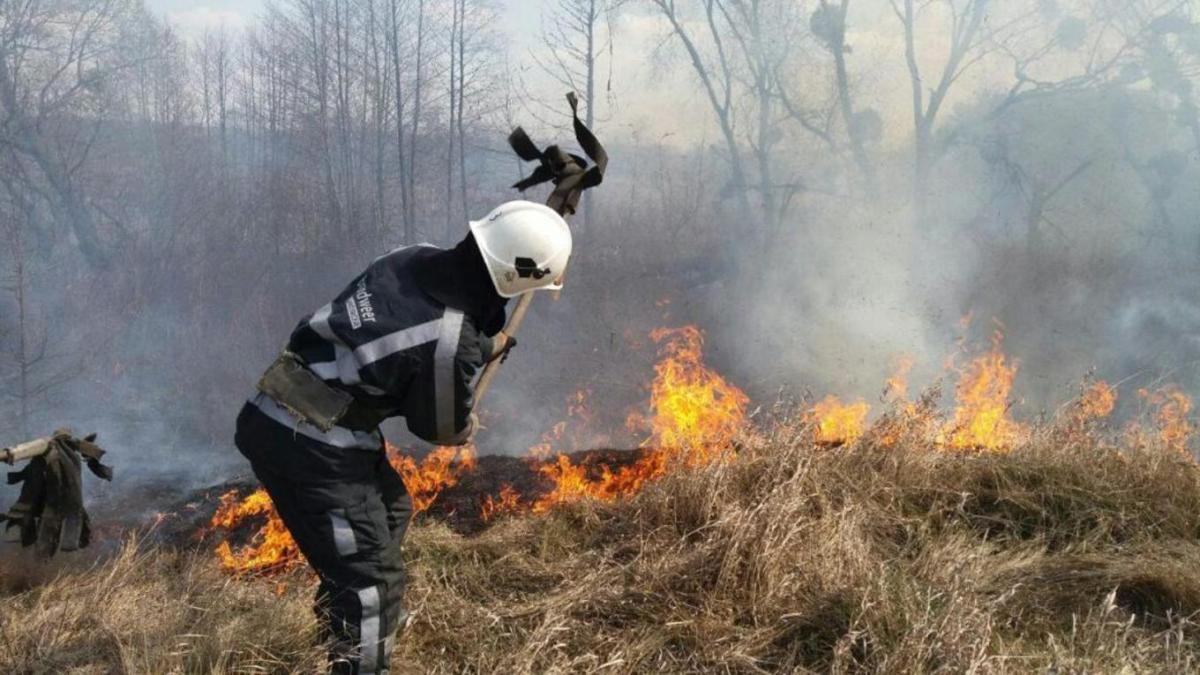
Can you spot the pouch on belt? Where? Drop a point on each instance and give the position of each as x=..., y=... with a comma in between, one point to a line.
x=303, y=394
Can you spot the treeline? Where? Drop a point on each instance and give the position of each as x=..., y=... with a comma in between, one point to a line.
x=143, y=172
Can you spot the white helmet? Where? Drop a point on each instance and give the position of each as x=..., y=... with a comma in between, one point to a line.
x=525, y=247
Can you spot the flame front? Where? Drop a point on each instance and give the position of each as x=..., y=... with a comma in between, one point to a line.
x=272, y=549
x=837, y=423
x=439, y=470
x=693, y=418
x=695, y=414
x=1171, y=413
x=981, y=420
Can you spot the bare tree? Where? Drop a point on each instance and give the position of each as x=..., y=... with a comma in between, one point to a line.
x=575, y=36
x=828, y=23
x=746, y=46
x=310, y=29
x=216, y=69
x=419, y=74
x=967, y=44
x=454, y=95
x=59, y=58
x=717, y=80
x=36, y=369
x=377, y=95
x=1032, y=193
x=1165, y=38
x=397, y=16
x=473, y=80
x=1030, y=37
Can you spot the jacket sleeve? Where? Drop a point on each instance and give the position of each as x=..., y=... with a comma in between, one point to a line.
x=441, y=396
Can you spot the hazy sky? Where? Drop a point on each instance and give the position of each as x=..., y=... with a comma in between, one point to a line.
x=194, y=15
x=522, y=24
x=643, y=85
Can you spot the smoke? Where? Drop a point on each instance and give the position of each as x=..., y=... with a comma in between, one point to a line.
x=1093, y=278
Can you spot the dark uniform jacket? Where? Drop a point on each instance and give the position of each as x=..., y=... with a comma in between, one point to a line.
x=393, y=347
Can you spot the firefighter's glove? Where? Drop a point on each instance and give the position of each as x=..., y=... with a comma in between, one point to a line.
x=465, y=436
x=502, y=344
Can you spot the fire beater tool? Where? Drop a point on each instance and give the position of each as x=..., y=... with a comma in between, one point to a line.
x=570, y=175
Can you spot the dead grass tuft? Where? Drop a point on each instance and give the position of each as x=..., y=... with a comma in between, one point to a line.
x=155, y=611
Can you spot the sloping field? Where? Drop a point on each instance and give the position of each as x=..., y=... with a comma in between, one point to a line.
x=1059, y=556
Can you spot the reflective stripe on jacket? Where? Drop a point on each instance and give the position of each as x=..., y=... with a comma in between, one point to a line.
x=394, y=347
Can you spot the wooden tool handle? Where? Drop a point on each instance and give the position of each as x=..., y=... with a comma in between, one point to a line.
x=25, y=451
x=568, y=188
x=510, y=329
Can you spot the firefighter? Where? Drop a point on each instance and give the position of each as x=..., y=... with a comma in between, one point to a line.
x=404, y=339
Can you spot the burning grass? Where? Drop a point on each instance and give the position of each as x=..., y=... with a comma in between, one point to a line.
x=695, y=418
x=818, y=540
x=1071, y=557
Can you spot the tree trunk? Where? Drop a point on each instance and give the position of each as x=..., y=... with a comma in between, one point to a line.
x=22, y=331
x=320, y=65
x=460, y=124
x=449, y=196
x=410, y=225
x=715, y=100
x=590, y=102
x=846, y=105
x=405, y=216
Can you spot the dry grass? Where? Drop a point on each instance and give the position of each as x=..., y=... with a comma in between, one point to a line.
x=150, y=611
x=1055, y=558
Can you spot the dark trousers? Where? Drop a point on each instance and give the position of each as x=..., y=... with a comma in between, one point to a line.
x=348, y=510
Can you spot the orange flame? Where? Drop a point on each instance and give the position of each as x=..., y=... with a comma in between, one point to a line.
x=571, y=483
x=981, y=420
x=439, y=470
x=1171, y=416
x=509, y=500
x=896, y=386
x=270, y=549
x=695, y=416
x=837, y=423
x=905, y=417
x=1097, y=401
x=693, y=408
